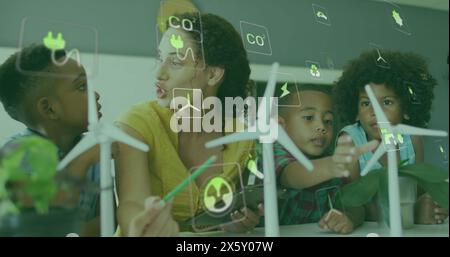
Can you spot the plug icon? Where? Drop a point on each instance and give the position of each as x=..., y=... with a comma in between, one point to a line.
x=176, y=41
x=59, y=43
x=54, y=44
x=253, y=167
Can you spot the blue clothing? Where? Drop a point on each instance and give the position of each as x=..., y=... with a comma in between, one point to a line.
x=359, y=137
x=89, y=197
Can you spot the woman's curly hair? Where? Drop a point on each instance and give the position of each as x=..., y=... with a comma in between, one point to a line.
x=222, y=47
x=406, y=70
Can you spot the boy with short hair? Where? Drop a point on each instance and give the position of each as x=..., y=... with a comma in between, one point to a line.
x=307, y=116
x=53, y=105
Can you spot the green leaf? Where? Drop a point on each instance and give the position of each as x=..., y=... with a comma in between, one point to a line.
x=4, y=176
x=44, y=164
x=403, y=163
x=7, y=207
x=12, y=165
x=425, y=172
x=432, y=179
x=31, y=161
x=361, y=191
x=42, y=192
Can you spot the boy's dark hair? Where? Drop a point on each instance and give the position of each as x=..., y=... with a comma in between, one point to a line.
x=222, y=47
x=15, y=84
x=406, y=70
x=292, y=98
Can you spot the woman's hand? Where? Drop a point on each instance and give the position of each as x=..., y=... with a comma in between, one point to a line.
x=155, y=220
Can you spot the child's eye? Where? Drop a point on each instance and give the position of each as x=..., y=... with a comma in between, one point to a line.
x=365, y=103
x=176, y=64
x=308, y=117
x=388, y=102
x=329, y=122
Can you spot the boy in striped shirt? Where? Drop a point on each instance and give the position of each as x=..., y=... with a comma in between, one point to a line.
x=307, y=116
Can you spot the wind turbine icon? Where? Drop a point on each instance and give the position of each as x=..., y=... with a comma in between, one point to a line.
x=102, y=133
x=393, y=186
x=380, y=58
x=274, y=133
x=189, y=103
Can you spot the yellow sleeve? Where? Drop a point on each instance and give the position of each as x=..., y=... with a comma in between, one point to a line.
x=141, y=117
x=240, y=153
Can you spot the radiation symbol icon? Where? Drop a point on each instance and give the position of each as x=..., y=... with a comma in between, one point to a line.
x=218, y=196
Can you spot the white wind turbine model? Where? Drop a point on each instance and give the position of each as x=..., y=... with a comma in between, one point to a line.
x=393, y=131
x=104, y=134
x=274, y=133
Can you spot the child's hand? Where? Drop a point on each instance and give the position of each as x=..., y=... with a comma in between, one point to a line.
x=428, y=212
x=346, y=154
x=245, y=220
x=336, y=221
x=155, y=220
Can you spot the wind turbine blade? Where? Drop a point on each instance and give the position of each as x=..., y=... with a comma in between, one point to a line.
x=378, y=153
x=270, y=89
x=381, y=117
x=235, y=137
x=92, y=106
x=265, y=108
x=85, y=144
x=410, y=130
x=118, y=135
x=289, y=145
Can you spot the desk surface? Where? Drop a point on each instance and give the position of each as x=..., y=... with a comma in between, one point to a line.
x=313, y=230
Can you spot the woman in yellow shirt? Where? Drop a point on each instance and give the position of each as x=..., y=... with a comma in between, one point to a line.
x=196, y=53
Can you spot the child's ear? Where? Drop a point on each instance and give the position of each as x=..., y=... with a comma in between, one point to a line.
x=282, y=121
x=46, y=108
x=215, y=75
